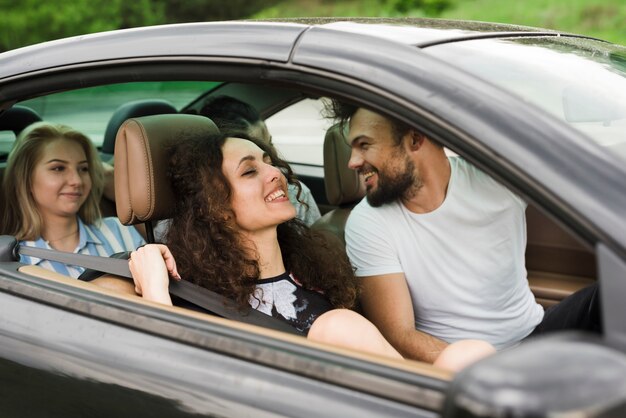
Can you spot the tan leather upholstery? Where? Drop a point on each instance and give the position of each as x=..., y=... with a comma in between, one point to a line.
x=344, y=187
x=551, y=249
x=557, y=264
x=142, y=189
x=550, y=288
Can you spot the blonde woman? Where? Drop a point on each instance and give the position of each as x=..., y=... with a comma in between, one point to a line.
x=52, y=185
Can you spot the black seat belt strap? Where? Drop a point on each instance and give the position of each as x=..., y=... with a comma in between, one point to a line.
x=200, y=296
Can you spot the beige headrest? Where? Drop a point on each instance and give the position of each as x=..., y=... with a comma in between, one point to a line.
x=343, y=184
x=142, y=189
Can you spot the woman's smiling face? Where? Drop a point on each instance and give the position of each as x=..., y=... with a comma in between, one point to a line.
x=259, y=190
x=61, y=181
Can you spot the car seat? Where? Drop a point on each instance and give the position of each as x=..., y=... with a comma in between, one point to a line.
x=126, y=111
x=16, y=118
x=129, y=110
x=344, y=187
x=142, y=189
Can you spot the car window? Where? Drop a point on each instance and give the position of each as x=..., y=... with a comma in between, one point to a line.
x=6, y=142
x=89, y=110
x=298, y=132
x=580, y=81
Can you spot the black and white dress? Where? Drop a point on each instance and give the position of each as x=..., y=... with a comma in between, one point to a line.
x=284, y=298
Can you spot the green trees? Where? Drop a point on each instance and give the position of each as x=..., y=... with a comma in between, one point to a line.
x=431, y=8
x=27, y=22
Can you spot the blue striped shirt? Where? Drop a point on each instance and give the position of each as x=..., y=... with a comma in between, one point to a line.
x=102, y=239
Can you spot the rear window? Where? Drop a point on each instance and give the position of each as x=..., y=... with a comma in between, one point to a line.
x=89, y=110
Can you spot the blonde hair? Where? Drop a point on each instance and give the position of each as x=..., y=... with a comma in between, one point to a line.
x=20, y=216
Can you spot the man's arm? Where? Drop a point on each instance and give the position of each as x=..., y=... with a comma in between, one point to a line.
x=386, y=302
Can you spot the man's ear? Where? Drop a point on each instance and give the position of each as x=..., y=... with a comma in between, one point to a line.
x=415, y=140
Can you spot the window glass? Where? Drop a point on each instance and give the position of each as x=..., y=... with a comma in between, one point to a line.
x=580, y=81
x=89, y=110
x=6, y=142
x=298, y=132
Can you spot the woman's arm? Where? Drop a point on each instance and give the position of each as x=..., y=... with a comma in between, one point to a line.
x=151, y=266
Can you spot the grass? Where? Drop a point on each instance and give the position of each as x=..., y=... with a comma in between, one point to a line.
x=604, y=19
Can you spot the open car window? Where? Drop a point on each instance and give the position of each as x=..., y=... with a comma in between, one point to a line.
x=298, y=132
x=89, y=110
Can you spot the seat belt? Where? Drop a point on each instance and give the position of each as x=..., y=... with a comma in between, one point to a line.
x=200, y=296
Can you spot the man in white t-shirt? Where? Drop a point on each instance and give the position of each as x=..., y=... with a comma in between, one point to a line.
x=439, y=245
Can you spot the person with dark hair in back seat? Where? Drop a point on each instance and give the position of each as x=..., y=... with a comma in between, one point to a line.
x=440, y=246
x=234, y=116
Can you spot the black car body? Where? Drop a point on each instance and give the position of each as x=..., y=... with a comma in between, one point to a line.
x=67, y=349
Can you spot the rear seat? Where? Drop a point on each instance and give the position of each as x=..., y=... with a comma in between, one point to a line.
x=557, y=264
x=14, y=119
x=17, y=118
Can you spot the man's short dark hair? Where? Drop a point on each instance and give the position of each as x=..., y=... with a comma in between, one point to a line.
x=341, y=112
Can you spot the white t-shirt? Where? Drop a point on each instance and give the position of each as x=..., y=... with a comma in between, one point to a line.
x=463, y=262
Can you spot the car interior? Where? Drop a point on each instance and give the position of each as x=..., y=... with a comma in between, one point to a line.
x=557, y=263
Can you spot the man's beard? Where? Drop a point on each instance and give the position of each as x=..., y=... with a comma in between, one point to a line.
x=394, y=185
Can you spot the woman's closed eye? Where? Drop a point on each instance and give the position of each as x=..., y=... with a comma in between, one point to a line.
x=249, y=172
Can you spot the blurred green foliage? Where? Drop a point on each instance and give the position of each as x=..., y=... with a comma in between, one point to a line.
x=431, y=8
x=31, y=21
x=604, y=19
x=27, y=22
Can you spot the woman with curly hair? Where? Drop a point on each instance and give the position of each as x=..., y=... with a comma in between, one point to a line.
x=234, y=232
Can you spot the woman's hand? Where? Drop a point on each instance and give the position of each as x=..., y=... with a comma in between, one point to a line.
x=151, y=266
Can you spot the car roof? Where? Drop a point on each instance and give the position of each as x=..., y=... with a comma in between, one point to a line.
x=422, y=31
x=268, y=39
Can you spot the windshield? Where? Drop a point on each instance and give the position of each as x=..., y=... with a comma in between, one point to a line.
x=580, y=81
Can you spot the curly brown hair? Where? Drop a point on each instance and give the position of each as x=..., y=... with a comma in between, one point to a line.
x=211, y=252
